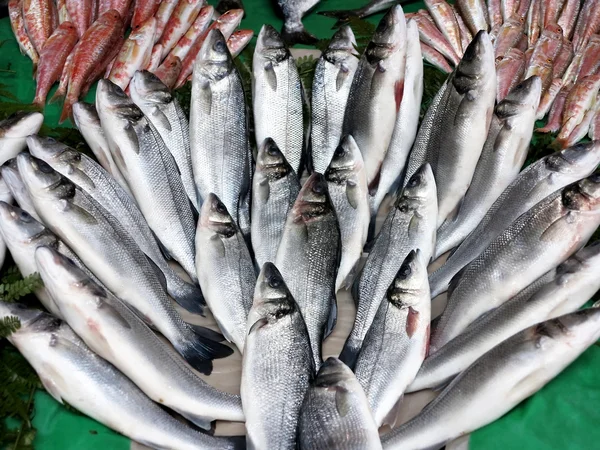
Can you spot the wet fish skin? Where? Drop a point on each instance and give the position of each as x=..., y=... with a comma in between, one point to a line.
x=465, y=35
x=238, y=41
x=510, y=68
x=12, y=178
x=578, y=102
x=196, y=30
x=17, y=23
x=308, y=258
x=499, y=380
x=155, y=182
x=347, y=186
x=277, y=365
x=163, y=14
x=81, y=14
x=143, y=10
x=590, y=62
x=534, y=26
x=433, y=38
x=74, y=374
x=293, y=30
x=335, y=412
x=225, y=269
x=169, y=70
x=40, y=18
x=503, y=155
x=568, y=17
x=330, y=89
x=14, y=131
x=435, y=58
x=275, y=187
x=443, y=16
x=508, y=36
x=547, y=48
x=179, y=22
x=398, y=338
x=409, y=225
x=474, y=14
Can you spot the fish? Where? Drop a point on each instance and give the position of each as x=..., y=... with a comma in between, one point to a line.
x=14, y=131
x=151, y=173
x=123, y=7
x=72, y=373
x=465, y=35
x=99, y=185
x=277, y=97
x=293, y=31
x=227, y=5
x=474, y=14
x=108, y=250
x=563, y=59
x=347, y=186
x=547, y=48
x=556, y=110
x=509, y=8
x=443, y=16
x=589, y=16
x=65, y=75
x=238, y=41
x=398, y=338
x=12, y=178
x=590, y=62
x=495, y=13
x=40, y=19
x=503, y=155
x=98, y=46
x=509, y=35
x=407, y=121
x=333, y=77
x=52, y=60
x=225, y=270
x=143, y=10
x=169, y=70
x=568, y=17
x=376, y=93
x=581, y=130
x=195, y=32
x=534, y=25
x=578, y=102
x=81, y=14
x=116, y=334
x=509, y=70
x=275, y=187
x=221, y=154
x=181, y=19
x=17, y=23
x=594, y=132
x=435, y=58
x=547, y=234
x=432, y=37
x=162, y=15
x=372, y=7
x=6, y=197
x=335, y=413
x=499, y=381
x=134, y=54
x=63, y=12
x=277, y=365
x=163, y=110
x=560, y=291
x=155, y=58
x=536, y=182
x=409, y=225
x=308, y=257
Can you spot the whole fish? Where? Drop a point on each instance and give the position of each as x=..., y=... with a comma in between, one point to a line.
x=40, y=18
x=308, y=258
x=433, y=38
x=99, y=185
x=87, y=121
x=538, y=240
x=499, y=381
x=196, y=30
x=14, y=131
x=443, y=16
x=238, y=41
x=17, y=22
x=98, y=46
x=594, y=132
x=560, y=291
x=509, y=35
x=376, y=93
x=72, y=373
x=435, y=58
x=221, y=154
x=52, y=60
x=169, y=70
x=534, y=183
x=398, y=339
x=474, y=14
x=134, y=54
x=568, y=17
x=277, y=97
x=81, y=13
x=409, y=225
x=509, y=70
x=151, y=173
x=503, y=155
x=227, y=5
x=143, y=10
x=372, y=7
x=275, y=187
x=335, y=412
x=180, y=21
x=108, y=250
x=407, y=121
x=116, y=334
x=12, y=178
x=581, y=98
x=293, y=31
x=331, y=85
x=163, y=14
x=347, y=185
x=164, y=111
x=225, y=270
x=277, y=365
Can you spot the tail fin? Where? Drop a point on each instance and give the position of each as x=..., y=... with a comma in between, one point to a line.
x=66, y=111
x=349, y=354
x=199, y=352
x=206, y=424
x=342, y=15
x=188, y=296
x=58, y=96
x=298, y=35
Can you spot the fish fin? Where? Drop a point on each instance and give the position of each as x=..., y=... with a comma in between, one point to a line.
x=58, y=96
x=352, y=193
x=160, y=117
x=332, y=319
x=258, y=324
x=111, y=311
x=342, y=403
x=371, y=234
x=159, y=274
x=207, y=333
x=203, y=422
x=297, y=36
x=556, y=231
x=83, y=214
x=199, y=352
x=391, y=418
x=163, y=249
x=191, y=299
x=271, y=76
x=264, y=190
x=50, y=380
x=342, y=77
x=374, y=184
x=226, y=335
x=412, y=321
x=398, y=93
x=132, y=135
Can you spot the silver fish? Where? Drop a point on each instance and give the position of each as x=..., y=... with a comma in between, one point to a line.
x=6, y=197
x=99, y=185
x=347, y=185
x=409, y=225
x=499, y=381
x=225, y=269
x=277, y=365
x=275, y=187
x=372, y=7
x=308, y=258
x=151, y=173
x=110, y=252
x=331, y=85
x=116, y=334
x=503, y=155
x=376, y=93
x=533, y=184
x=538, y=240
x=14, y=130
x=164, y=111
x=560, y=291
x=74, y=374
x=12, y=177
x=277, y=97
x=220, y=148
x=335, y=413
x=398, y=339
x=293, y=31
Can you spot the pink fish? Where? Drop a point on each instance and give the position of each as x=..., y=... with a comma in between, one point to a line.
x=523, y=9
x=17, y=23
x=568, y=17
x=534, y=28
x=63, y=12
x=182, y=18
x=64, y=77
x=465, y=35
x=155, y=58
x=169, y=70
x=556, y=112
x=546, y=50
x=581, y=98
x=142, y=11
x=548, y=97
x=509, y=71
x=590, y=60
x=582, y=129
x=81, y=13
x=494, y=13
x=588, y=23
x=123, y=7
x=103, y=6
x=444, y=18
x=198, y=28
x=435, y=58
x=508, y=8
x=563, y=59
x=509, y=35
x=40, y=18
x=552, y=9
x=474, y=14
x=238, y=41
x=594, y=132
x=165, y=10
x=431, y=36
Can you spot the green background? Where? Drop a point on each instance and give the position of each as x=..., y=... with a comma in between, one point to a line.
x=563, y=415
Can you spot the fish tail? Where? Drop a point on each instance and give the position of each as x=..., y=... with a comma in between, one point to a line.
x=199, y=350
x=58, y=96
x=297, y=35
x=67, y=109
x=342, y=15
x=188, y=296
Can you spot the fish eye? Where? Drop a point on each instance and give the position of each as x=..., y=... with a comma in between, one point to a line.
x=43, y=167
x=405, y=271
x=24, y=216
x=319, y=188
x=220, y=208
x=275, y=282
x=220, y=46
x=272, y=150
x=51, y=140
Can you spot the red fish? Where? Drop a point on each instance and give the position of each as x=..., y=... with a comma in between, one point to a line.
x=15, y=12
x=169, y=70
x=435, y=58
x=81, y=13
x=238, y=41
x=182, y=18
x=63, y=12
x=199, y=26
x=41, y=18
x=143, y=10
x=165, y=10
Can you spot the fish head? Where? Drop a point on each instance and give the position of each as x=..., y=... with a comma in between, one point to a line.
x=523, y=97
x=51, y=151
x=576, y=160
x=25, y=315
x=215, y=217
x=271, y=162
x=238, y=40
x=577, y=330
x=583, y=195
x=333, y=373
x=85, y=114
x=585, y=260
x=112, y=101
x=476, y=65
x=147, y=88
x=41, y=180
x=420, y=187
x=409, y=283
x=229, y=20
x=18, y=226
x=313, y=201
x=270, y=45
x=342, y=44
x=21, y=124
x=388, y=35
x=214, y=60
x=346, y=161
x=11, y=175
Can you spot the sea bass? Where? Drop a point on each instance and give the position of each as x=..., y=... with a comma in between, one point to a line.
x=12, y=178
x=14, y=131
